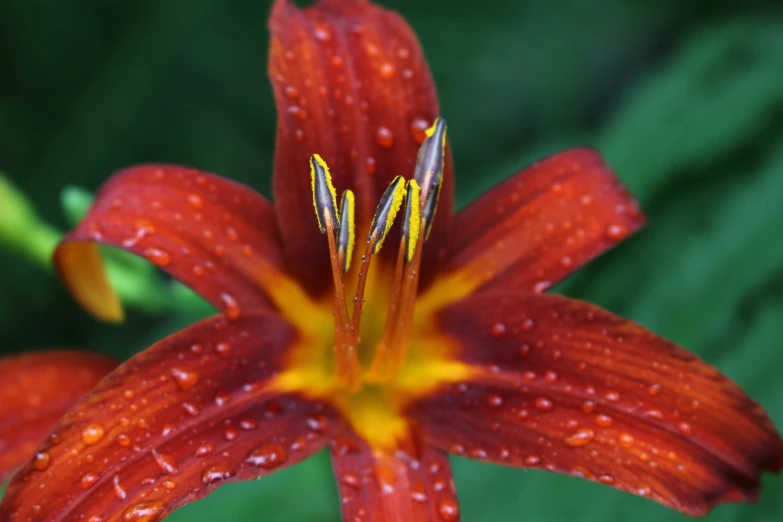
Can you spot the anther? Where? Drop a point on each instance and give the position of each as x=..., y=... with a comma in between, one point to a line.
x=324, y=195
x=429, y=171
x=388, y=206
x=347, y=236
x=411, y=225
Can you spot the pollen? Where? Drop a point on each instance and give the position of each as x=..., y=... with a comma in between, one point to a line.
x=324, y=194
x=388, y=207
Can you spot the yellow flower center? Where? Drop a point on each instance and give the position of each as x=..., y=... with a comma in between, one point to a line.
x=373, y=351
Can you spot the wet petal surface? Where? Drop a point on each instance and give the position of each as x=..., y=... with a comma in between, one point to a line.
x=351, y=84
x=571, y=388
x=409, y=483
x=187, y=415
x=37, y=389
x=216, y=236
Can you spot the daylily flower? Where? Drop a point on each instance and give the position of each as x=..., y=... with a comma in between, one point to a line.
x=36, y=389
x=441, y=341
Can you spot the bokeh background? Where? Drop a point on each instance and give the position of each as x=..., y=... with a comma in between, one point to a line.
x=684, y=98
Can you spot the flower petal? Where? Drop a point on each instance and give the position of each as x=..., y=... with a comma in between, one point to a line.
x=352, y=85
x=411, y=483
x=37, y=389
x=542, y=223
x=568, y=387
x=216, y=236
x=183, y=417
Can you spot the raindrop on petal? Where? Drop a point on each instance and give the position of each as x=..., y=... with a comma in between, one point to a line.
x=267, y=456
x=217, y=473
x=92, y=434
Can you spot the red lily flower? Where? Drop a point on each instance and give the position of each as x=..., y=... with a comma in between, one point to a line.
x=37, y=389
x=448, y=343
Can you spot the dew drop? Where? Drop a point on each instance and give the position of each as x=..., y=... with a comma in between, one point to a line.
x=158, y=256
x=627, y=440
x=191, y=409
x=684, y=428
x=291, y=91
x=580, y=438
x=223, y=349
x=92, y=434
x=384, y=137
x=448, y=509
x=498, y=329
x=606, y=478
x=495, y=400
x=248, y=424
x=351, y=480
x=616, y=232
x=195, y=201
x=527, y=324
x=654, y=414
x=298, y=112
x=267, y=456
x=143, y=511
x=321, y=33
x=605, y=421
x=232, y=307
x=370, y=164
x=165, y=463
x=205, y=449
x=217, y=473
x=41, y=460
x=387, y=70
x=588, y=407
x=419, y=128
x=185, y=379
x=88, y=480
x=654, y=389
x=543, y=404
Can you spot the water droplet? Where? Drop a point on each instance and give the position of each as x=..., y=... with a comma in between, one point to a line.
x=92, y=434
x=498, y=329
x=291, y=91
x=419, y=128
x=41, y=460
x=217, y=473
x=205, y=449
x=351, y=480
x=223, y=349
x=299, y=135
x=248, y=424
x=612, y=396
x=627, y=440
x=230, y=434
x=654, y=414
x=616, y=232
x=195, y=201
x=387, y=70
x=588, y=407
x=566, y=261
x=543, y=404
x=232, y=307
x=606, y=478
x=580, y=438
x=148, y=511
x=165, y=463
x=191, y=409
x=118, y=489
x=384, y=137
x=551, y=377
x=684, y=428
x=527, y=324
x=495, y=400
x=158, y=256
x=298, y=112
x=605, y=421
x=318, y=424
x=321, y=32
x=654, y=389
x=185, y=379
x=88, y=480
x=267, y=456
x=448, y=509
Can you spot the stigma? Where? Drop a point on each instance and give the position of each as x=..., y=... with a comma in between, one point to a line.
x=417, y=197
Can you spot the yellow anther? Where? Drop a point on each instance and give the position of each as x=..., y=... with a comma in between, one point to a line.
x=412, y=224
x=324, y=194
x=347, y=237
x=388, y=206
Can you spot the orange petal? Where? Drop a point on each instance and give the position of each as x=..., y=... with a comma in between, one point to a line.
x=170, y=425
x=411, y=483
x=214, y=235
x=543, y=223
x=36, y=389
x=568, y=387
x=352, y=85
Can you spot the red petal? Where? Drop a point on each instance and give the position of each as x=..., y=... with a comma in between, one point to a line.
x=405, y=484
x=568, y=387
x=352, y=85
x=37, y=389
x=215, y=235
x=170, y=425
x=543, y=223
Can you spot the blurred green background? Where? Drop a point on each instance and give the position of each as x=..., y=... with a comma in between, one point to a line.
x=684, y=98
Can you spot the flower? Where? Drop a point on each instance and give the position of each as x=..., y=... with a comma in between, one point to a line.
x=432, y=336
x=37, y=389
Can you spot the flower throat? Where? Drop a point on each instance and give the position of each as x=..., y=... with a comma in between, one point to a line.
x=420, y=195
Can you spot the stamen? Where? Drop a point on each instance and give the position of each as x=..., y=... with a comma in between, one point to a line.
x=429, y=171
x=385, y=213
x=388, y=206
x=324, y=195
x=425, y=190
x=347, y=237
x=325, y=202
x=411, y=226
